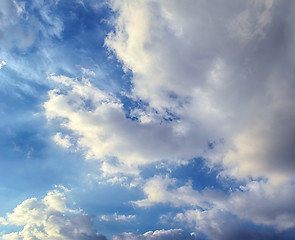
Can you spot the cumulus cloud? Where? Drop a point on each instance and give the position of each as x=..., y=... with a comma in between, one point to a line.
x=235, y=96
x=258, y=202
x=159, y=189
x=237, y=87
x=218, y=82
x=48, y=219
x=99, y=124
x=171, y=234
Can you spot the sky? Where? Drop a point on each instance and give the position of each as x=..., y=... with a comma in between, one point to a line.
x=147, y=120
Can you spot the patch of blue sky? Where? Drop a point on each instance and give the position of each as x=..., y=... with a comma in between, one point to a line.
x=31, y=164
x=107, y=199
x=147, y=219
x=84, y=22
x=195, y=171
x=130, y=104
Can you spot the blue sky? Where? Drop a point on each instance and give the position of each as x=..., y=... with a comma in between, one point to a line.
x=147, y=120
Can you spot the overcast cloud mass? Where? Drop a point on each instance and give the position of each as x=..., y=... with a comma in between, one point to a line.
x=147, y=120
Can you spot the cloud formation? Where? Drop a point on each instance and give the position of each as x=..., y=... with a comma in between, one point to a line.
x=214, y=81
x=2, y=63
x=117, y=217
x=257, y=202
x=171, y=234
x=49, y=219
x=231, y=87
x=99, y=126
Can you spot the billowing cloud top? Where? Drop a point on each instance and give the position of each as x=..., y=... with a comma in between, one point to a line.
x=47, y=219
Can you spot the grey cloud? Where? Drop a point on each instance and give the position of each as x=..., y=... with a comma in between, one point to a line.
x=229, y=68
x=219, y=225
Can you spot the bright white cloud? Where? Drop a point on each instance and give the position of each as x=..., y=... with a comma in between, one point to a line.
x=48, y=219
x=2, y=63
x=62, y=141
x=164, y=190
x=171, y=234
x=99, y=125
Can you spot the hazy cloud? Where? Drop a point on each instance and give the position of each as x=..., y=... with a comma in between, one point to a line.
x=117, y=217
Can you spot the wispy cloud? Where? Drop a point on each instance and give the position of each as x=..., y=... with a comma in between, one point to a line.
x=117, y=217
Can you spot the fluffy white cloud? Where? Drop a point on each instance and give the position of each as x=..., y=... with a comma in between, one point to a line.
x=171, y=234
x=49, y=219
x=99, y=126
x=232, y=94
x=225, y=73
x=237, y=87
x=258, y=202
x=161, y=189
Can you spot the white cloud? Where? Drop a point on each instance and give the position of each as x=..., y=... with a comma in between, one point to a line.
x=164, y=190
x=117, y=217
x=185, y=58
x=258, y=202
x=47, y=219
x=99, y=125
x=2, y=63
x=62, y=141
x=171, y=234
x=225, y=71
x=218, y=91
